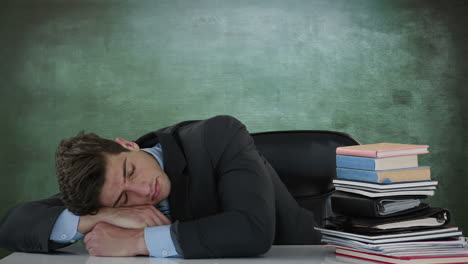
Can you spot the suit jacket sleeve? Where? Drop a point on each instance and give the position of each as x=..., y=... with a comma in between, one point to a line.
x=27, y=227
x=246, y=224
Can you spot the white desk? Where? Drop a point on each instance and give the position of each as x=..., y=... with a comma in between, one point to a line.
x=277, y=254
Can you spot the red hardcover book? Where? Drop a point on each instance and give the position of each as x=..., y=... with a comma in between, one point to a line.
x=381, y=150
x=422, y=259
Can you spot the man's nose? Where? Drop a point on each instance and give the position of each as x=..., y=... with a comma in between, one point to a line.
x=139, y=188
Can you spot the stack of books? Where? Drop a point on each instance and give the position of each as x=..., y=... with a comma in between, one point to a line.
x=379, y=209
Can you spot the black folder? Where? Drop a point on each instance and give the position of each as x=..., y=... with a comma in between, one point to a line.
x=428, y=218
x=361, y=206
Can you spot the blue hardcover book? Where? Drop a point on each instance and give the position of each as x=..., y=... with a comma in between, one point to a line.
x=365, y=163
x=384, y=176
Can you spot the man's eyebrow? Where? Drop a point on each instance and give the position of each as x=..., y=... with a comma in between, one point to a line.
x=124, y=179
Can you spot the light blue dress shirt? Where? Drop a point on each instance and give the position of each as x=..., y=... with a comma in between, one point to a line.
x=158, y=238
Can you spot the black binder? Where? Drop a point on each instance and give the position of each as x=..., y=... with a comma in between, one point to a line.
x=428, y=218
x=361, y=206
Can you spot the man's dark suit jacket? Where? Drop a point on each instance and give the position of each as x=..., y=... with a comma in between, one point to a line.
x=226, y=198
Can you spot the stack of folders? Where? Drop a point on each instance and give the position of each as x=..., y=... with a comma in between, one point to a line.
x=379, y=209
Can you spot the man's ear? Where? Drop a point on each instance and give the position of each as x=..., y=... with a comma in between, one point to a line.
x=130, y=145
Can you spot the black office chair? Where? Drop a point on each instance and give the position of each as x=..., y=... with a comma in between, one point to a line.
x=305, y=160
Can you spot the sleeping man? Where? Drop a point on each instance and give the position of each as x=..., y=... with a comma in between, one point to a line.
x=197, y=189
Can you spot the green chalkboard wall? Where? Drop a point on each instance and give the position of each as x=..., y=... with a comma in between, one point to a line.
x=382, y=71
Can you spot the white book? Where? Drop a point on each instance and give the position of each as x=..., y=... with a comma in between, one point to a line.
x=385, y=194
x=369, y=189
x=385, y=186
x=411, y=236
x=459, y=242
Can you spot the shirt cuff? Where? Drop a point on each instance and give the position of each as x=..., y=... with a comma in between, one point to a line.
x=159, y=242
x=65, y=229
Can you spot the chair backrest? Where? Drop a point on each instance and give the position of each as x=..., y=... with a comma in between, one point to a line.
x=305, y=160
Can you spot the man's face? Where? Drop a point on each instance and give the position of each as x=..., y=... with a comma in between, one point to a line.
x=133, y=178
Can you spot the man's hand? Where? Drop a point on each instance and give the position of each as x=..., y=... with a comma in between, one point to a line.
x=126, y=217
x=109, y=240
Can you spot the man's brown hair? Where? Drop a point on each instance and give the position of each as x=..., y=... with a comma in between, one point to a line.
x=80, y=166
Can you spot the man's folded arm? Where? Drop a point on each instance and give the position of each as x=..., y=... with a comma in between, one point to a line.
x=27, y=227
x=158, y=239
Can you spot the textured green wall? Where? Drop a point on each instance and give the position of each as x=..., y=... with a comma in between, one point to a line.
x=393, y=71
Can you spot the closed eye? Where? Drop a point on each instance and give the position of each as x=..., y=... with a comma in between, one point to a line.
x=124, y=176
x=128, y=176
